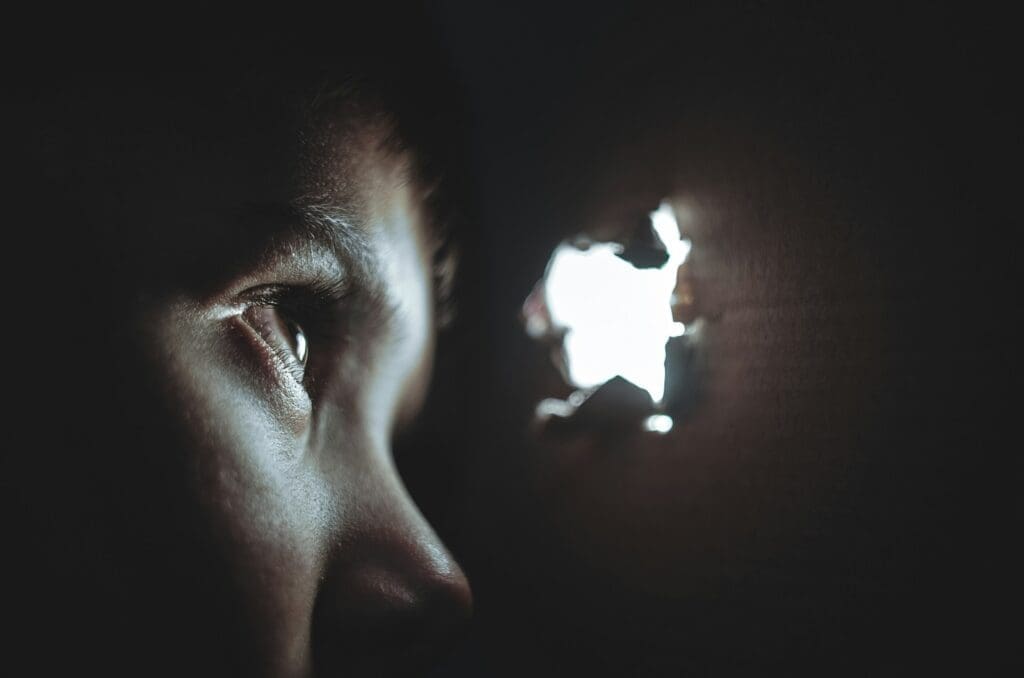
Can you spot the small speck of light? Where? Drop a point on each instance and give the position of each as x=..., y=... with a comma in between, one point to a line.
x=658, y=423
x=554, y=407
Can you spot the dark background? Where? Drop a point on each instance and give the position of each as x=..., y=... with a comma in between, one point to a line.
x=841, y=544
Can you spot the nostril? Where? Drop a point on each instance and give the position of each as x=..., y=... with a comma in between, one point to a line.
x=392, y=615
x=429, y=628
x=450, y=604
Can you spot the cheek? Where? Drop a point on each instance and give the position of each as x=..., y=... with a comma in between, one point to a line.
x=256, y=500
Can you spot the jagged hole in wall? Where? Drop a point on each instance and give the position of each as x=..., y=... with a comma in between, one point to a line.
x=611, y=312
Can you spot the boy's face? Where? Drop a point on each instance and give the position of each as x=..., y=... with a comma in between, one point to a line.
x=276, y=333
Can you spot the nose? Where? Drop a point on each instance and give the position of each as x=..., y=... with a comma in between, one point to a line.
x=393, y=599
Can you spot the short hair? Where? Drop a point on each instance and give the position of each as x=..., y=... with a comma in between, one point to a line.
x=77, y=111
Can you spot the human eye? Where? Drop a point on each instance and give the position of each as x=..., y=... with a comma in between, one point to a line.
x=294, y=327
x=285, y=341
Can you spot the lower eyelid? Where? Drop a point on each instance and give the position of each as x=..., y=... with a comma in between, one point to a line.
x=274, y=390
x=275, y=365
x=271, y=325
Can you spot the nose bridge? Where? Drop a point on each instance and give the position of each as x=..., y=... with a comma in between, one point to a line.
x=391, y=592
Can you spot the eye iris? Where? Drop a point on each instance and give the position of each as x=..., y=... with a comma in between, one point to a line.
x=299, y=343
x=283, y=335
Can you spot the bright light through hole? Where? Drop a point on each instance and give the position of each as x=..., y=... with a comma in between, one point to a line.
x=617, y=318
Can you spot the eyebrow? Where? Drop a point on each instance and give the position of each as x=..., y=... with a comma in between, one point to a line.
x=265, y=230
x=267, y=235
x=340, y=230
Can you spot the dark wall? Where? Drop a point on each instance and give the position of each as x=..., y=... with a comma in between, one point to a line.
x=825, y=506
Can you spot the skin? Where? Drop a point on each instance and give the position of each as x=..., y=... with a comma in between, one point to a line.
x=245, y=516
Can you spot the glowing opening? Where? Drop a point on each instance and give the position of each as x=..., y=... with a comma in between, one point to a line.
x=616, y=318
